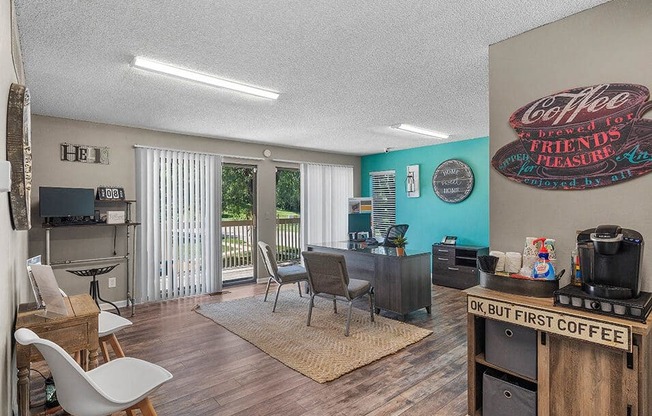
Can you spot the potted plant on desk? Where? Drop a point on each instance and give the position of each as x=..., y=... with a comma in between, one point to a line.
x=400, y=242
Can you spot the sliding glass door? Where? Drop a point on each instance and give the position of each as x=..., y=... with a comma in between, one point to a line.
x=288, y=216
x=239, y=234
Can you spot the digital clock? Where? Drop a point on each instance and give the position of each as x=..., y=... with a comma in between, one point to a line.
x=105, y=193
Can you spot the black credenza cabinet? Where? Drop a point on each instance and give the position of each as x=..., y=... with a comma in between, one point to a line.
x=456, y=266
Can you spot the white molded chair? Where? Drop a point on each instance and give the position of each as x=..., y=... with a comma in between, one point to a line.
x=121, y=384
x=108, y=324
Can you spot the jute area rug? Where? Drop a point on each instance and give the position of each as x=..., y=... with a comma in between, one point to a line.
x=319, y=351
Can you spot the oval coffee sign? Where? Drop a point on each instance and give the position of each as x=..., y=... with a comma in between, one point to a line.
x=452, y=181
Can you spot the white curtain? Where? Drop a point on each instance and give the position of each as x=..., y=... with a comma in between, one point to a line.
x=325, y=193
x=179, y=207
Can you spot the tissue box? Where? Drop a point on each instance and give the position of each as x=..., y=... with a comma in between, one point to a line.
x=115, y=217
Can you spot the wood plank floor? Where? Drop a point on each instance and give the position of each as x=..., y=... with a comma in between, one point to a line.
x=218, y=373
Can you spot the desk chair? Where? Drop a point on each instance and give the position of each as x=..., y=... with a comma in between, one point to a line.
x=281, y=275
x=397, y=230
x=122, y=384
x=328, y=278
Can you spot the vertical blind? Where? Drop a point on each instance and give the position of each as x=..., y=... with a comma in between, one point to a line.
x=383, y=193
x=179, y=208
x=325, y=193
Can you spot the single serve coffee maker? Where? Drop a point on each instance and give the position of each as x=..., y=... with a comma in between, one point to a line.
x=610, y=261
x=610, y=267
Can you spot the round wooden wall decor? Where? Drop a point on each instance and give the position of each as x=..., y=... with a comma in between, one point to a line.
x=452, y=181
x=19, y=154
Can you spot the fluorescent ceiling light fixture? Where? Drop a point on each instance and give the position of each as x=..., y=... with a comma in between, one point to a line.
x=419, y=130
x=161, y=68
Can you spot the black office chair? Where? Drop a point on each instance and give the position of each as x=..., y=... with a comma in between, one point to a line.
x=396, y=230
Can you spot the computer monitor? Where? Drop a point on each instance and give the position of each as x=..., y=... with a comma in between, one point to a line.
x=360, y=222
x=66, y=202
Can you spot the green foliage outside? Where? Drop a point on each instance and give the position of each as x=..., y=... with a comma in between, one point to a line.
x=237, y=204
x=237, y=192
x=288, y=191
x=286, y=214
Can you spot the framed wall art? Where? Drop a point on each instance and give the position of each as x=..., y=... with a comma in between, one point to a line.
x=453, y=181
x=580, y=138
x=19, y=154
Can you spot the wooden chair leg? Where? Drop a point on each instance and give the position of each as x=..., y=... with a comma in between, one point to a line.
x=117, y=349
x=105, y=350
x=115, y=346
x=146, y=407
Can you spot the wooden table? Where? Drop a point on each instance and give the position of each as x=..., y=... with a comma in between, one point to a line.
x=401, y=282
x=75, y=332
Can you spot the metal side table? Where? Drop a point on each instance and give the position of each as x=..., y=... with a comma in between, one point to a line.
x=94, y=289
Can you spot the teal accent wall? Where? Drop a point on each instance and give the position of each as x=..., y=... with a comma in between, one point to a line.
x=429, y=217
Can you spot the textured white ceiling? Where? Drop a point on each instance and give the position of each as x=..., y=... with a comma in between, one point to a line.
x=346, y=70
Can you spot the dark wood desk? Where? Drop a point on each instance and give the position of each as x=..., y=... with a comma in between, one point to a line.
x=75, y=332
x=401, y=283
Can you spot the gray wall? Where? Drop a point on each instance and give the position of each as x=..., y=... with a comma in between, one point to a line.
x=609, y=43
x=72, y=243
x=13, y=244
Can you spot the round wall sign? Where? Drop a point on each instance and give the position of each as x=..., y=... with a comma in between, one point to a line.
x=19, y=153
x=452, y=181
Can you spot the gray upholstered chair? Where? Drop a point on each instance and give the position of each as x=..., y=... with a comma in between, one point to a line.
x=281, y=275
x=328, y=278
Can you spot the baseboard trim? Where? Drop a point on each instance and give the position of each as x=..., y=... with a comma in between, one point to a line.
x=118, y=303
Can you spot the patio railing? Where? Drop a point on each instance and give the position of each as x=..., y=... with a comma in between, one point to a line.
x=288, y=240
x=237, y=244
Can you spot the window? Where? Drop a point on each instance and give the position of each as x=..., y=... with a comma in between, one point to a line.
x=325, y=192
x=383, y=193
x=179, y=202
x=288, y=215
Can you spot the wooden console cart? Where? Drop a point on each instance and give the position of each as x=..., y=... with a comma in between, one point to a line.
x=586, y=364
